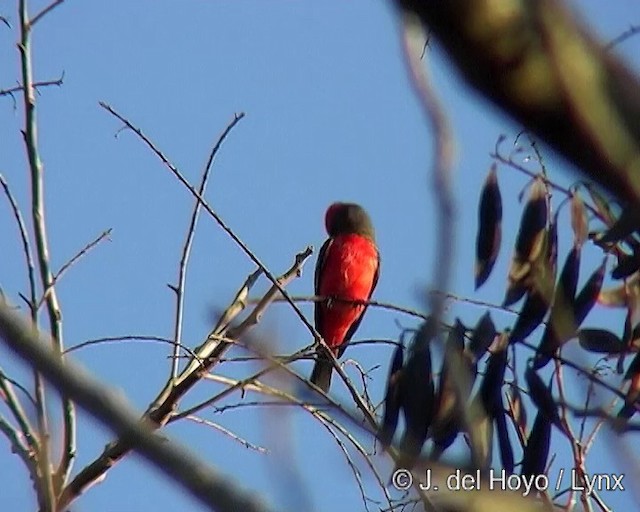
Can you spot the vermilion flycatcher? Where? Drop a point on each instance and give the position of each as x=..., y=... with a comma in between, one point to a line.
x=347, y=270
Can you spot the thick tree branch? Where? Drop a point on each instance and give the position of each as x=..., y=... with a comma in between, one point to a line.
x=205, y=483
x=537, y=64
x=30, y=133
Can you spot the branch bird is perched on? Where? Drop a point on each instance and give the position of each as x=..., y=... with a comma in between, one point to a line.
x=347, y=270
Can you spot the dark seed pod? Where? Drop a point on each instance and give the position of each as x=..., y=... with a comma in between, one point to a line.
x=627, y=223
x=627, y=263
x=531, y=315
x=480, y=435
x=536, y=452
x=634, y=367
x=533, y=223
x=631, y=400
x=561, y=326
x=517, y=408
x=453, y=392
x=489, y=234
x=627, y=339
x=516, y=290
x=552, y=245
x=491, y=387
x=588, y=296
x=418, y=394
x=601, y=205
x=541, y=396
x=600, y=341
x=486, y=407
x=393, y=398
x=506, y=451
x=529, y=242
x=579, y=221
x=482, y=336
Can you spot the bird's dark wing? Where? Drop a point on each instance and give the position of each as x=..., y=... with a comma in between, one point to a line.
x=354, y=327
x=322, y=255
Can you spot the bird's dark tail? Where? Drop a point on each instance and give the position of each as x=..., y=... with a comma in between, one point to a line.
x=322, y=371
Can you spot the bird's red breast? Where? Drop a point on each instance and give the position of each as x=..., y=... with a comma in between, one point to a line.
x=347, y=268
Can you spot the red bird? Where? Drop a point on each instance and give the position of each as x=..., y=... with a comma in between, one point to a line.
x=347, y=268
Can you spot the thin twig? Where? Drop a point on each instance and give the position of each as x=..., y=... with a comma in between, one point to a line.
x=127, y=338
x=58, y=275
x=354, y=470
x=44, y=12
x=228, y=433
x=19, y=386
x=576, y=448
x=372, y=303
x=26, y=246
x=476, y=302
x=15, y=406
x=630, y=32
x=45, y=83
x=496, y=155
x=186, y=249
x=599, y=423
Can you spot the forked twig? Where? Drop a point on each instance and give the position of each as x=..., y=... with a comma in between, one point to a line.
x=228, y=433
x=186, y=249
x=58, y=275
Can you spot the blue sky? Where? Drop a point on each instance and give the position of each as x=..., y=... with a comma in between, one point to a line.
x=330, y=116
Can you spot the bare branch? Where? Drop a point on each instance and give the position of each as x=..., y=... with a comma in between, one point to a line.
x=35, y=85
x=15, y=406
x=228, y=433
x=186, y=249
x=371, y=303
x=30, y=134
x=15, y=383
x=26, y=246
x=44, y=12
x=56, y=277
x=627, y=34
x=128, y=338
